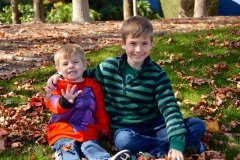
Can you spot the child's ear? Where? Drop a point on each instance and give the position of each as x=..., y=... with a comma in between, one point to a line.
x=85, y=65
x=152, y=43
x=57, y=69
x=123, y=44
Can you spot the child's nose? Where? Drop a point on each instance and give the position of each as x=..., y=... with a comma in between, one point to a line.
x=70, y=65
x=138, y=48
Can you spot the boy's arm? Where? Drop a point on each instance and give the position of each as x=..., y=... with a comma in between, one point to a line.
x=91, y=73
x=95, y=73
x=178, y=142
x=171, y=112
x=51, y=82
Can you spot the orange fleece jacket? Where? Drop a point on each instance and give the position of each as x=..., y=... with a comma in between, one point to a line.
x=84, y=120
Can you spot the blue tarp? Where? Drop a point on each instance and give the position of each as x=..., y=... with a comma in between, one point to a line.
x=229, y=8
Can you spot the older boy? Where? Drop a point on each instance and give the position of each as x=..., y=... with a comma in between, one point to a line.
x=78, y=114
x=139, y=100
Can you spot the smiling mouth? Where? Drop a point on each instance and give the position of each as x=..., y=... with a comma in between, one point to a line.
x=72, y=72
x=137, y=55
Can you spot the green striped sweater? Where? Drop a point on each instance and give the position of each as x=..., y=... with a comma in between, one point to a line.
x=146, y=98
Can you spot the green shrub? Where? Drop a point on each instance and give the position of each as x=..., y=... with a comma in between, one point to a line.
x=60, y=13
x=94, y=15
x=6, y=15
x=144, y=9
x=25, y=12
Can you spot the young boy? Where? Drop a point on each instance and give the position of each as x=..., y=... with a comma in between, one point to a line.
x=138, y=98
x=78, y=114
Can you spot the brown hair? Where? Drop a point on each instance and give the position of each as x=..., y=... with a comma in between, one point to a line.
x=67, y=51
x=136, y=26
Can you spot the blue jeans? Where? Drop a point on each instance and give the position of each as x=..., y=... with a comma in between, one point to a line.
x=152, y=138
x=91, y=149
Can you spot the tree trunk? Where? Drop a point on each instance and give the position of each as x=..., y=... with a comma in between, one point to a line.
x=134, y=7
x=183, y=9
x=38, y=11
x=200, y=8
x=15, y=13
x=81, y=13
x=126, y=9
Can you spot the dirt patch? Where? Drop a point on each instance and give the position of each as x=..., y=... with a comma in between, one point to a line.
x=30, y=46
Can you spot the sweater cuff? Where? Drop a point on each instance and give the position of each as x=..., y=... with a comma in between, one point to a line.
x=178, y=142
x=64, y=103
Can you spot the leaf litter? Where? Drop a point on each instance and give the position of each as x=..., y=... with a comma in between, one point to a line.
x=27, y=47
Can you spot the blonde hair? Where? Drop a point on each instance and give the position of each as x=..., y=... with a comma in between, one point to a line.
x=67, y=51
x=137, y=26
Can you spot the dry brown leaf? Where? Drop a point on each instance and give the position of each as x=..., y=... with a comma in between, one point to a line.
x=170, y=40
x=3, y=133
x=16, y=144
x=33, y=157
x=19, y=53
x=41, y=140
x=23, y=107
x=11, y=94
x=232, y=145
x=67, y=147
x=211, y=125
x=229, y=135
x=192, y=70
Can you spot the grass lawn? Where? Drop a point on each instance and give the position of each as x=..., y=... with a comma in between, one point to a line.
x=203, y=67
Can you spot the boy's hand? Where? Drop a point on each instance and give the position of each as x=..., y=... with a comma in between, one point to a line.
x=69, y=95
x=175, y=154
x=51, y=82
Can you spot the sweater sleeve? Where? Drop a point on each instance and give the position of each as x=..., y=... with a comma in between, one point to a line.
x=64, y=103
x=178, y=142
x=101, y=70
x=168, y=106
x=52, y=102
x=93, y=73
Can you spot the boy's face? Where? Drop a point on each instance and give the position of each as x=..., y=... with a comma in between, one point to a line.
x=71, y=68
x=137, y=50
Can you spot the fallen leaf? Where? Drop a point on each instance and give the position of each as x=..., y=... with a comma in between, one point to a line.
x=170, y=40
x=192, y=70
x=211, y=125
x=67, y=147
x=16, y=144
x=232, y=145
x=19, y=53
x=229, y=135
x=41, y=140
x=3, y=133
x=33, y=157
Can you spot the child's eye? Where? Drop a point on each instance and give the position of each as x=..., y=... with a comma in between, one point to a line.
x=64, y=64
x=76, y=62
